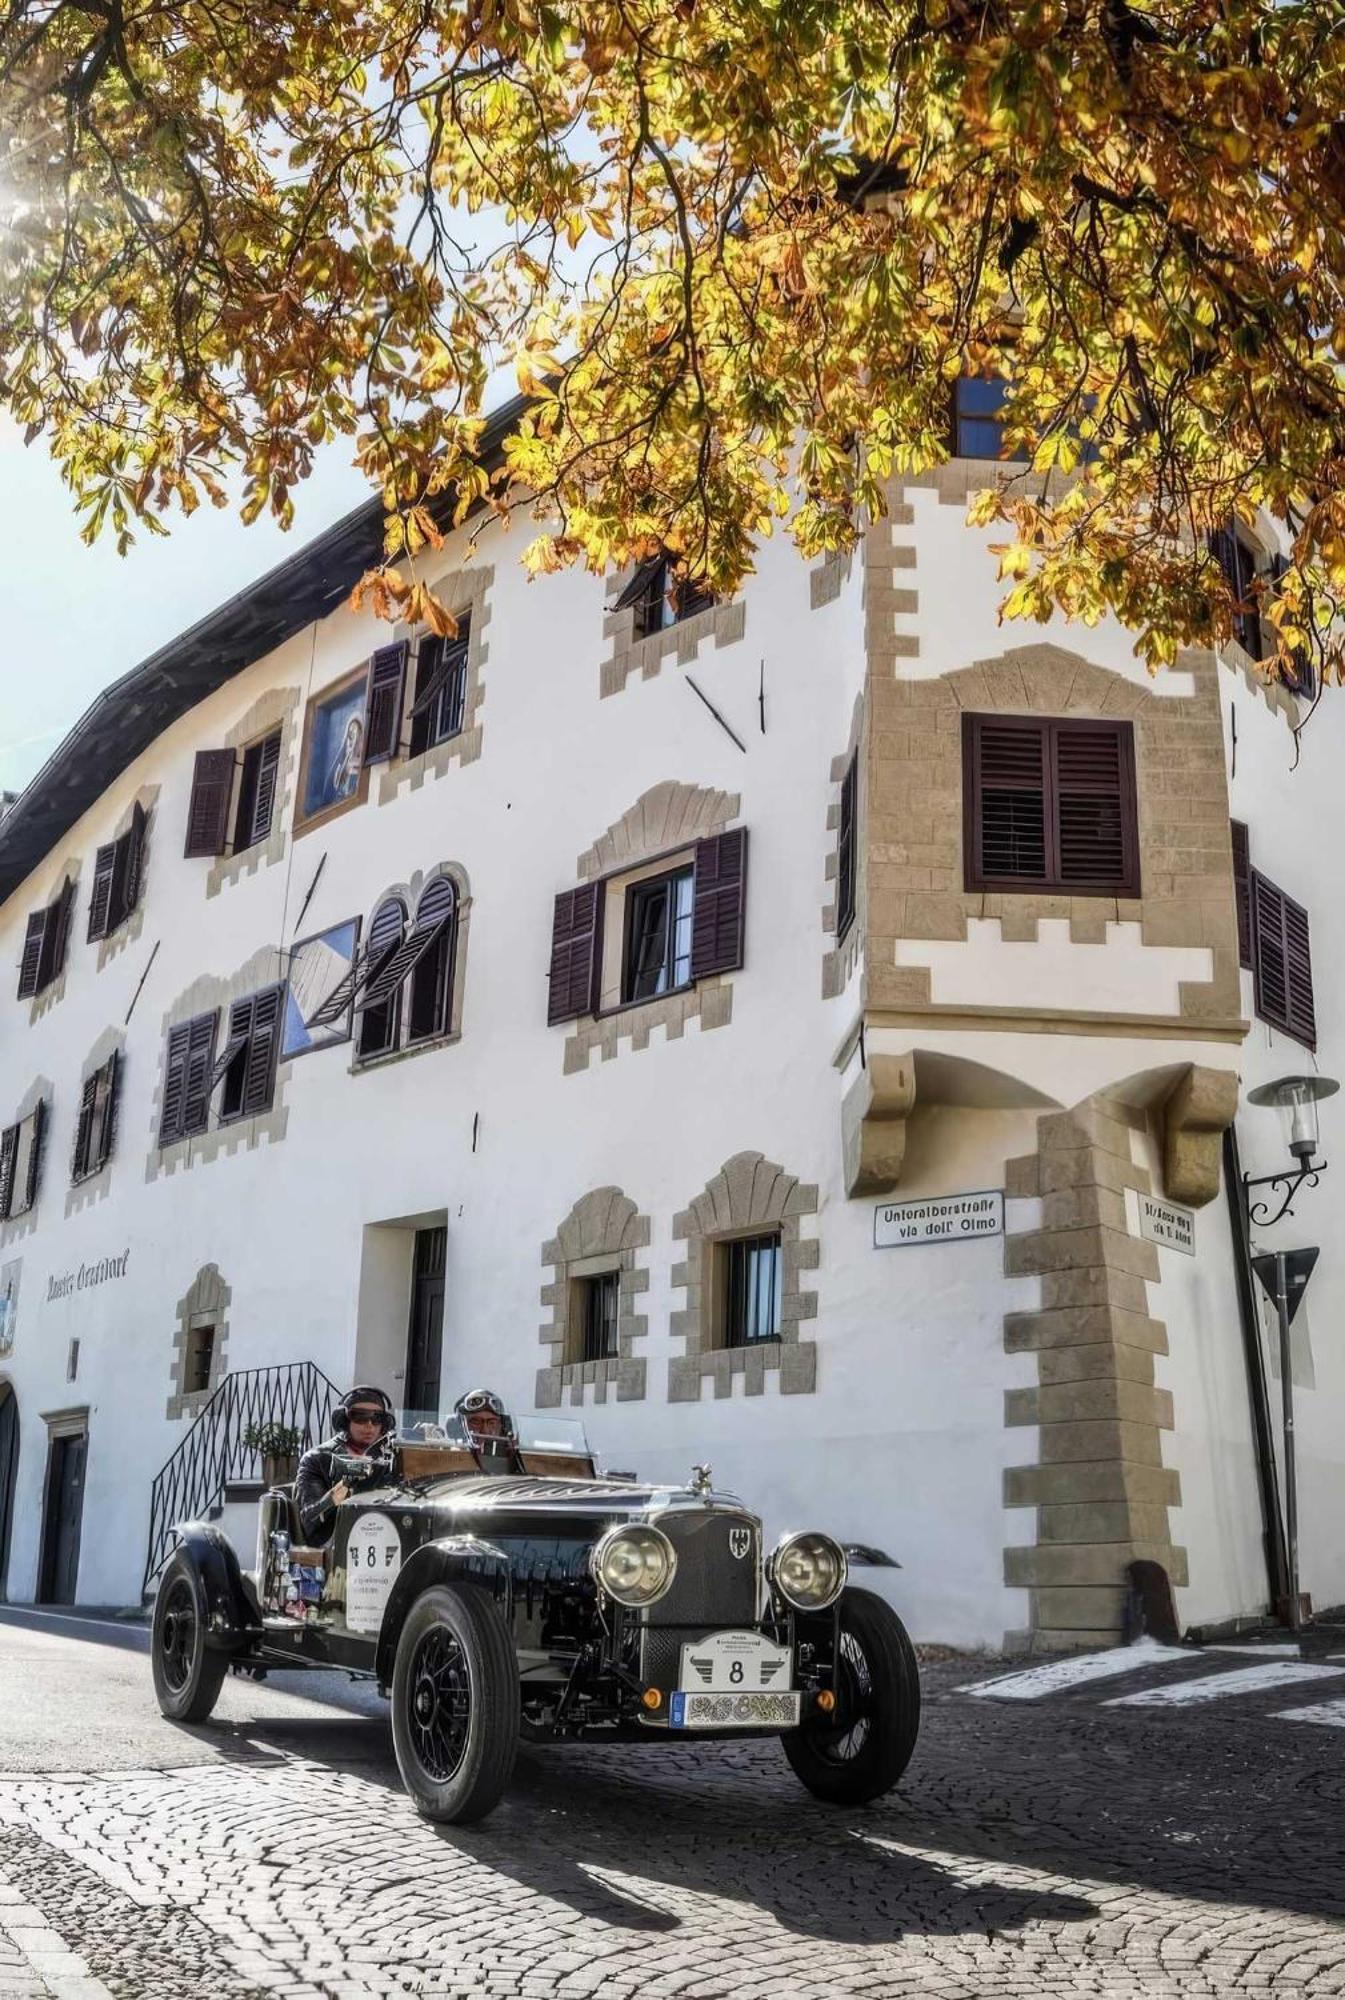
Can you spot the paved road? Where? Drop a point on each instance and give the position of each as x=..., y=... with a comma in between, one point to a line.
x=1055, y=1838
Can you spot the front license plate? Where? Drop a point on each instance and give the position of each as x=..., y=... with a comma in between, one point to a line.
x=734, y=1711
x=735, y=1663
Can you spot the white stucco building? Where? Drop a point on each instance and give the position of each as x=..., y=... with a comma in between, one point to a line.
x=684, y=948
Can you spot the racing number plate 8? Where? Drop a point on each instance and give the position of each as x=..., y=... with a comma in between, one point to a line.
x=735, y=1663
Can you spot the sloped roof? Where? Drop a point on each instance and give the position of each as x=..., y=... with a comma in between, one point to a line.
x=126, y=718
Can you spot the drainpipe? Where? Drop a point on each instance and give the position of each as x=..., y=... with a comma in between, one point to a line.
x=1258, y=1389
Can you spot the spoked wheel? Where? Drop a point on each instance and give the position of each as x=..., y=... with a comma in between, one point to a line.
x=859, y=1751
x=455, y=1704
x=187, y=1674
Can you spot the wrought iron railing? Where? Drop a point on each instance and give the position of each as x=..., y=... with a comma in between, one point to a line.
x=213, y=1455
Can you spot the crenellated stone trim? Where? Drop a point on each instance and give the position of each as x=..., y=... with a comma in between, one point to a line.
x=95, y=1188
x=1099, y=1485
x=278, y=708
x=669, y=815
x=266, y=967
x=841, y=958
x=207, y=1299
x=709, y=1004
x=724, y=623
x=747, y=1195
x=828, y=578
x=147, y=798
x=604, y=1231
x=464, y=590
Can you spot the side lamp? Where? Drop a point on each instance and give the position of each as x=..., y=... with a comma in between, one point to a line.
x=1296, y=1099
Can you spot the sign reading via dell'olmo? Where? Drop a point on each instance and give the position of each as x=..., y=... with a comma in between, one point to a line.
x=947, y=1218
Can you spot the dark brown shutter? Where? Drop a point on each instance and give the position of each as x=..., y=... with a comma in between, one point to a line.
x=208, y=813
x=174, y=1083
x=1242, y=891
x=105, y=1112
x=199, y=1068
x=719, y=908
x=1096, y=830
x=1005, y=776
x=383, y=715
x=1282, y=961
x=845, y=850
x=434, y=913
x=576, y=960
x=55, y=934
x=79, y=1165
x=35, y=1151
x=9, y=1153
x=259, y=1065
x=100, y=897
x=31, y=961
x=264, y=805
x=236, y=1039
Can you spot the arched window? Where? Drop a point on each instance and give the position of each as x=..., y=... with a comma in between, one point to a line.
x=380, y=1003
x=430, y=984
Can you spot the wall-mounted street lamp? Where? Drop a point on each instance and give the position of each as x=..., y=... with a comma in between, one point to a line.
x=1296, y=1099
x=1285, y=1273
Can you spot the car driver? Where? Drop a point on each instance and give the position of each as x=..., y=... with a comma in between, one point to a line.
x=362, y=1421
x=485, y=1419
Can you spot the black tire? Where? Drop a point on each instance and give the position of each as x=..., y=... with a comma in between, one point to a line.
x=455, y=1705
x=860, y=1751
x=188, y=1675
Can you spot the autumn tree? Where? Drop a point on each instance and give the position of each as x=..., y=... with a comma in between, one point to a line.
x=737, y=252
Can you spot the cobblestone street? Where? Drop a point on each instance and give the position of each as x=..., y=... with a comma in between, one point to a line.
x=1052, y=1841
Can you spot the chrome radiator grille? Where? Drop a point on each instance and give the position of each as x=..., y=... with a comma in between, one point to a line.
x=713, y=1589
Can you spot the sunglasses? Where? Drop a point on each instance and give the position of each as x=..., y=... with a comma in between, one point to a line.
x=367, y=1416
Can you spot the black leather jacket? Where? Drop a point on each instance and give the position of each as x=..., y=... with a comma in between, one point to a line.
x=319, y=1471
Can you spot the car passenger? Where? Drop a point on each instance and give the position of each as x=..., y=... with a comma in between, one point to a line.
x=362, y=1422
x=485, y=1418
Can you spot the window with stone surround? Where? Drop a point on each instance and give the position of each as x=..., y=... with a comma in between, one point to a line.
x=742, y=1275
x=649, y=930
x=439, y=710
x=846, y=849
x=978, y=419
x=596, y=1274
x=246, y=1072
x=659, y=597
x=405, y=983
x=22, y=1146
x=200, y=1343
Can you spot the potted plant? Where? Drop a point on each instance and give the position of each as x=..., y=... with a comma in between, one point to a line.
x=278, y=1447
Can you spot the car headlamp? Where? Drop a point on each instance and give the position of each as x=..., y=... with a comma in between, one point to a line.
x=635, y=1565
x=809, y=1571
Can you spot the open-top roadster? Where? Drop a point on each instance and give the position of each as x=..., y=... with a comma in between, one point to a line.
x=508, y=1592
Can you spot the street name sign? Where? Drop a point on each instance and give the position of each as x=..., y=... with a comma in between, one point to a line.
x=948, y=1218
x=1163, y=1222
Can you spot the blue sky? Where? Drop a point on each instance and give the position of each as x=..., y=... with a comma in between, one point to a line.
x=77, y=618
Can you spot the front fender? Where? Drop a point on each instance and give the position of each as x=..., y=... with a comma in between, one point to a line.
x=225, y=1600
x=454, y=1559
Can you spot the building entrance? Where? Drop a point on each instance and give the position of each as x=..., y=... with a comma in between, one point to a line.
x=9, y=1466
x=62, y=1518
x=424, y=1348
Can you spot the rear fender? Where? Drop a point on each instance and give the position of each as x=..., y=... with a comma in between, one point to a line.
x=455, y=1559
x=225, y=1599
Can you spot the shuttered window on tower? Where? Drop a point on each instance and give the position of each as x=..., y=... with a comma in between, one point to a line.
x=117, y=872
x=1050, y=805
x=1282, y=961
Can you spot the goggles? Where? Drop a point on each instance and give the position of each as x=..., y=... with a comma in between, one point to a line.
x=481, y=1399
x=363, y=1414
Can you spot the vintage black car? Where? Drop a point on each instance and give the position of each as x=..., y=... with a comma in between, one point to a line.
x=507, y=1590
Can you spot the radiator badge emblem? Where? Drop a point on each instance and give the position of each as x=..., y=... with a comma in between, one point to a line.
x=740, y=1541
